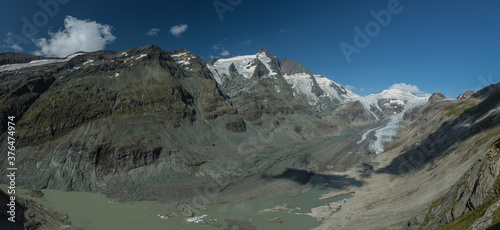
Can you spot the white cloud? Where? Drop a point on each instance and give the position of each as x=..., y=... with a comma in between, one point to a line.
x=153, y=32
x=77, y=35
x=15, y=47
x=410, y=88
x=350, y=87
x=248, y=42
x=282, y=31
x=177, y=31
x=406, y=87
x=12, y=43
x=225, y=53
x=219, y=48
x=212, y=56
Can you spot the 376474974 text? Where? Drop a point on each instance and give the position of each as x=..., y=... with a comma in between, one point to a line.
x=11, y=169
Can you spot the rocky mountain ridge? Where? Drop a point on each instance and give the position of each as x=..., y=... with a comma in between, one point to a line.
x=104, y=121
x=148, y=124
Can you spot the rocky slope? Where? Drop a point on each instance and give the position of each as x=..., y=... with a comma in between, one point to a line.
x=147, y=124
x=466, y=202
x=440, y=171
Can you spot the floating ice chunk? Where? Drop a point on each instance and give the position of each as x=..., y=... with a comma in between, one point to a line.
x=196, y=219
x=386, y=133
x=163, y=216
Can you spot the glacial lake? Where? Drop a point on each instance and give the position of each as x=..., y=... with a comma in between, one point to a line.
x=96, y=212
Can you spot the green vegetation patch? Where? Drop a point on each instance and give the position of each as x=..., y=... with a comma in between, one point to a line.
x=469, y=218
x=456, y=109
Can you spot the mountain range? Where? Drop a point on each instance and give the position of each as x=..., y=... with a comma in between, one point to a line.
x=149, y=124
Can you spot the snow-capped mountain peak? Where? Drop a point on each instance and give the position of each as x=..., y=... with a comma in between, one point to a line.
x=333, y=89
x=245, y=65
x=315, y=90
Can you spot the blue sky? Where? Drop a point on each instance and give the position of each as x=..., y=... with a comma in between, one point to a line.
x=439, y=46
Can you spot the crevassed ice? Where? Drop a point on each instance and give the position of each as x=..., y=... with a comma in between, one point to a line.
x=386, y=133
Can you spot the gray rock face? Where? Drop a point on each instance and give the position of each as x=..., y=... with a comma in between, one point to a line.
x=487, y=91
x=486, y=221
x=353, y=114
x=468, y=194
x=290, y=67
